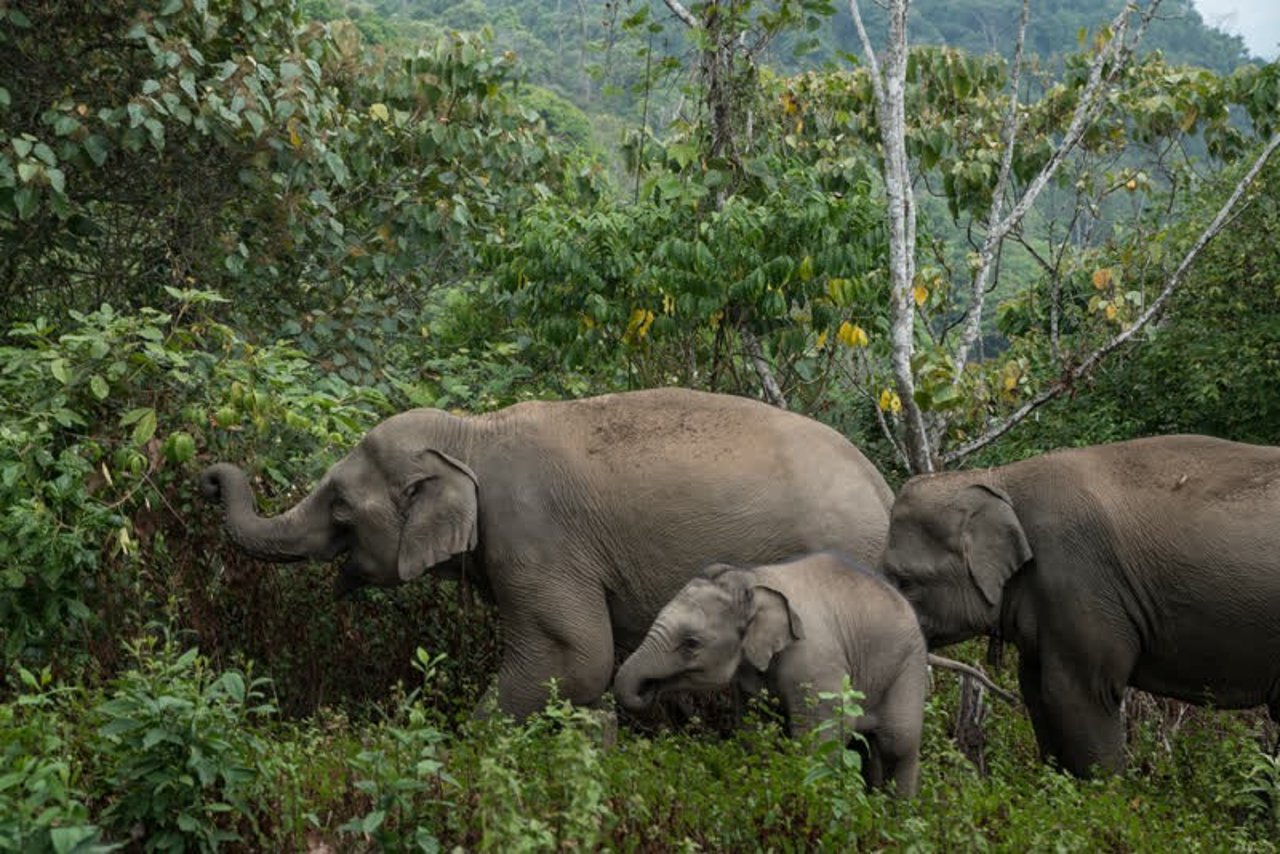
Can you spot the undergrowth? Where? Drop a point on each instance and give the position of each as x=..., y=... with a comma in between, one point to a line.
x=174, y=754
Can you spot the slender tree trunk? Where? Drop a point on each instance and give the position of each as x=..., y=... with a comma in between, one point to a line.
x=891, y=107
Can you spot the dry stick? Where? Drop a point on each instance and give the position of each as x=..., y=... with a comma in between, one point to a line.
x=974, y=673
x=1091, y=361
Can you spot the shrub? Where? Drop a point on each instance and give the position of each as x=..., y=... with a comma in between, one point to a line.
x=177, y=749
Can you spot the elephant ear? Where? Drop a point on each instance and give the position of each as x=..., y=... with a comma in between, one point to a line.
x=995, y=546
x=439, y=504
x=771, y=627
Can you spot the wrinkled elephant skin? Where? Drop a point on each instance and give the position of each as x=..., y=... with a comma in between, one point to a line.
x=1150, y=563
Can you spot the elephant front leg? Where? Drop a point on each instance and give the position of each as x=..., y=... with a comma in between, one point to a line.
x=1082, y=721
x=571, y=644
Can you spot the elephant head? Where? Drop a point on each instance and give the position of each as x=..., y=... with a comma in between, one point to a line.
x=700, y=639
x=952, y=546
x=396, y=505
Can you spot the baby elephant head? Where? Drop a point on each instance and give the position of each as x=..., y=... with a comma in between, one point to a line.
x=717, y=623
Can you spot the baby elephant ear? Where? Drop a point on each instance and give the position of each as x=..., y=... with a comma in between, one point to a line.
x=440, y=510
x=771, y=628
x=713, y=571
x=995, y=546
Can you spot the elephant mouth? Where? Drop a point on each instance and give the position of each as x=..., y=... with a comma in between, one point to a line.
x=350, y=579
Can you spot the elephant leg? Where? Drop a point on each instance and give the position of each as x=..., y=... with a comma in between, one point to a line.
x=899, y=732
x=1082, y=715
x=873, y=760
x=1033, y=698
x=571, y=643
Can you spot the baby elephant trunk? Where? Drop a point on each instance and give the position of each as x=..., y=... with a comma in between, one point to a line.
x=636, y=685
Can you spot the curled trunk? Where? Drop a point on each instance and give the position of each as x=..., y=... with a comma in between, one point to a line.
x=304, y=531
x=635, y=683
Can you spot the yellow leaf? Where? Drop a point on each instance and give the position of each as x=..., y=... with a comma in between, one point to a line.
x=668, y=304
x=890, y=402
x=920, y=293
x=851, y=335
x=806, y=268
x=379, y=112
x=822, y=339
x=1102, y=278
x=638, y=325
x=294, y=139
x=1010, y=382
x=1111, y=311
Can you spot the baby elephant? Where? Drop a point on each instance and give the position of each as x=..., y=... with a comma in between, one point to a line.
x=796, y=628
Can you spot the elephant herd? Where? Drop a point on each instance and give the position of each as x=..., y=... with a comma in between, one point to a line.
x=720, y=540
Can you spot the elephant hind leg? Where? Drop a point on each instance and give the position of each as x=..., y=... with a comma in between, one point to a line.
x=899, y=730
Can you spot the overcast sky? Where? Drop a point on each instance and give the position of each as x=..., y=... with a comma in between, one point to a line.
x=1257, y=21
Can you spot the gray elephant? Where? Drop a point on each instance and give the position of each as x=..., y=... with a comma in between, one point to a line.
x=1153, y=563
x=579, y=519
x=796, y=628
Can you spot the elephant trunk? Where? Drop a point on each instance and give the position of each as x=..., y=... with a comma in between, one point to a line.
x=636, y=683
x=304, y=531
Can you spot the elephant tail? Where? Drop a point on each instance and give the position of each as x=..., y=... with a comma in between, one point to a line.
x=974, y=673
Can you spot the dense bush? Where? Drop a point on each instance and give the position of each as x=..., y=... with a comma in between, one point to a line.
x=179, y=753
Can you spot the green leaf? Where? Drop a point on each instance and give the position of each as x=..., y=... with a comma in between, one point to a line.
x=99, y=387
x=45, y=153
x=145, y=428
x=4, y=97
x=96, y=147
x=66, y=839
x=26, y=201
x=27, y=171
x=233, y=684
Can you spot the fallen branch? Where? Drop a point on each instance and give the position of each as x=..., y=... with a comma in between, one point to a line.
x=974, y=673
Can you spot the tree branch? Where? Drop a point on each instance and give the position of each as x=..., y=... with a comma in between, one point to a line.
x=1086, y=366
x=679, y=10
x=772, y=391
x=1106, y=65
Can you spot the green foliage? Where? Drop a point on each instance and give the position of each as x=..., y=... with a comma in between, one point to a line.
x=176, y=748
x=42, y=808
x=539, y=786
x=278, y=157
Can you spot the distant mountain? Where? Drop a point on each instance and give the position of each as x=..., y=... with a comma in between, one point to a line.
x=582, y=49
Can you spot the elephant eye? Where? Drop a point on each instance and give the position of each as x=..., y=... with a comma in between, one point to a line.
x=411, y=491
x=690, y=644
x=340, y=509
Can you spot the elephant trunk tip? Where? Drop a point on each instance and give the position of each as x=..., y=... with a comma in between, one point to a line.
x=213, y=478
x=634, y=694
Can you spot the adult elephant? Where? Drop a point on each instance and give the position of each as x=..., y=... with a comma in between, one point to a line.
x=580, y=518
x=1153, y=563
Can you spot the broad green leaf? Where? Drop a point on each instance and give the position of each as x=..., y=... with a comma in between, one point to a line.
x=99, y=387
x=145, y=428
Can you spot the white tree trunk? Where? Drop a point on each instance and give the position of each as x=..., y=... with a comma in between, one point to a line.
x=890, y=86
